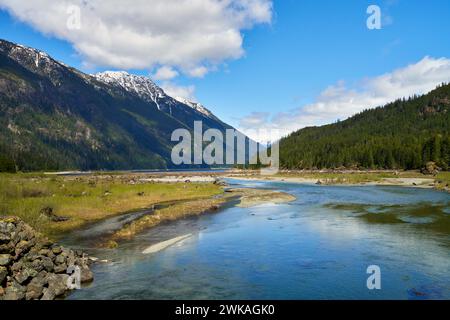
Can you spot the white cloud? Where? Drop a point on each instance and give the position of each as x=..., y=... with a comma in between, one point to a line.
x=197, y=72
x=177, y=91
x=340, y=101
x=165, y=73
x=188, y=35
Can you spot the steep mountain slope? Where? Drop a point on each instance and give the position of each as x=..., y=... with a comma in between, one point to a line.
x=148, y=91
x=56, y=117
x=403, y=134
x=198, y=107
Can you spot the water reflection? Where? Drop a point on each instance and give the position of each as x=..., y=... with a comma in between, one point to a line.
x=317, y=247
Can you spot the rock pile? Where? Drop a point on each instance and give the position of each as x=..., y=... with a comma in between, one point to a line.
x=430, y=169
x=32, y=267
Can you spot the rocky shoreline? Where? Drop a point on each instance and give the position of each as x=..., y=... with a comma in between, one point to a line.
x=34, y=268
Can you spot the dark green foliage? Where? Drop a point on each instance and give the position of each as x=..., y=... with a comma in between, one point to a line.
x=7, y=164
x=53, y=117
x=404, y=134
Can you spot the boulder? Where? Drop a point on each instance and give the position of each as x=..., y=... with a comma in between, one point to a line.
x=5, y=259
x=60, y=268
x=31, y=266
x=48, y=213
x=430, y=169
x=57, y=250
x=57, y=283
x=48, y=265
x=60, y=259
x=3, y=274
x=25, y=274
x=86, y=275
x=14, y=291
x=35, y=288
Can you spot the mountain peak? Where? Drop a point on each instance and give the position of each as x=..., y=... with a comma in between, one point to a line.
x=34, y=60
x=196, y=106
x=146, y=89
x=142, y=86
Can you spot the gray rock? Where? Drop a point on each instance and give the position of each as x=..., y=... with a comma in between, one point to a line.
x=31, y=266
x=49, y=294
x=57, y=250
x=60, y=268
x=6, y=248
x=3, y=274
x=86, y=275
x=57, y=283
x=25, y=274
x=17, y=266
x=14, y=291
x=23, y=246
x=47, y=263
x=5, y=259
x=4, y=237
x=37, y=265
x=35, y=288
x=60, y=259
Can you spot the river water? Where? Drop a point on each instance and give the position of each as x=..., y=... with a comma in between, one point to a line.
x=317, y=247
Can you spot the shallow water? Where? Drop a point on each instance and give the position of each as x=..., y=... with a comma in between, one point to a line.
x=317, y=247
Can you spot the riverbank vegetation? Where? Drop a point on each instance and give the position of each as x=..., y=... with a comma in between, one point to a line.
x=54, y=205
x=440, y=181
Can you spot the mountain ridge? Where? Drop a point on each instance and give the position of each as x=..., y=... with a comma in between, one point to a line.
x=404, y=134
x=55, y=117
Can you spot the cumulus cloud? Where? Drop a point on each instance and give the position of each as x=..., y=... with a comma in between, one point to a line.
x=190, y=35
x=177, y=91
x=340, y=101
x=197, y=72
x=165, y=73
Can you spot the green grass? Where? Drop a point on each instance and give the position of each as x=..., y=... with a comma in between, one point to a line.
x=443, y=180
x=350, y=178
x=86, y=199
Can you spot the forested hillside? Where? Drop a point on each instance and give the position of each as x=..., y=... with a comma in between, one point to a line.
x=54, y=117
x=404, y=134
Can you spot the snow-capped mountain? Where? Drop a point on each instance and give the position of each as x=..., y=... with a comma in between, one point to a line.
x=197, y=106
x=34, y=60
x=40, y=62
x=53, y=116
x=142, y=86
x=146, y=89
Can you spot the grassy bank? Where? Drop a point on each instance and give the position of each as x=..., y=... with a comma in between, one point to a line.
x=86, y=199
x=247, y=198
x=402, y=178
x=443, y=181
x=353, y=177
x=174, y=212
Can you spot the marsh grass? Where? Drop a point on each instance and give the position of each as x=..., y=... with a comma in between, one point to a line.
x=443, y=180
x=351, y=178
x=86, y=199
x=177, y=211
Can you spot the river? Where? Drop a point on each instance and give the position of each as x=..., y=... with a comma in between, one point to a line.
x=317, y=247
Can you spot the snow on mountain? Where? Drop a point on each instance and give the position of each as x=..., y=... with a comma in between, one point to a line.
x=146, y=89
x=34, y=60
x=197, y=106
x=142, y=86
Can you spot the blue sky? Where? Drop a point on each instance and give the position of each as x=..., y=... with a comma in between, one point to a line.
x=306, y=47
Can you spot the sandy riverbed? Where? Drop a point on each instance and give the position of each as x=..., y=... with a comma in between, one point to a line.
x=406, y=182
